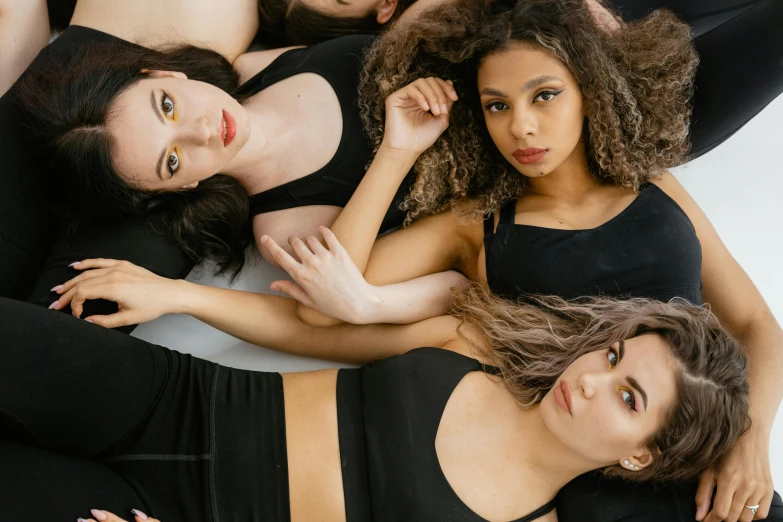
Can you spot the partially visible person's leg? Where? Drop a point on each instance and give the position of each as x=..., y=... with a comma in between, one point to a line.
x=37, y=484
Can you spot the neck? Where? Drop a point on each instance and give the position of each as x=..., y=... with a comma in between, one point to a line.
x=546, y=456
x=571, y=180
x=257, y=165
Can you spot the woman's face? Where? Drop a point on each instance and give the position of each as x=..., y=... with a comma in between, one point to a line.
x=532, y=107
x=171, y=132
x=609, y=402
x=383, y=9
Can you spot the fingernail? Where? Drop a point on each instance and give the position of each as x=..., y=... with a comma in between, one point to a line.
x=56, y=288
x=81, y=519
x=74, y=263
x=444, y=108
x=139, y=514
x=264, y=239
x=54, y=304
x=90, y=321
x=98, y=514
x=273, y=288
x=426, y=106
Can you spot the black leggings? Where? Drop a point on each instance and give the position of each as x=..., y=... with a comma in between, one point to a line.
x=95, y=419
x=741, y=48
x=91, y=418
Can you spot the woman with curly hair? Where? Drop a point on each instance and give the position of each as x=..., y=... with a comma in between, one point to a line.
x=512, y=402
x=561, y=137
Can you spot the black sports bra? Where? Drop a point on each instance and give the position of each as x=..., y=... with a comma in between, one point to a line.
x=339, y=62
x=649, y=250
x=388, y=416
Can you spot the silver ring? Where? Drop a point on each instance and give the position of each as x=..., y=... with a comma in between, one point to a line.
x=753, y=509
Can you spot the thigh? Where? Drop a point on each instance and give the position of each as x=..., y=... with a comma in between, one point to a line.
x=134, y=242
x=84, y=390
x=36, y=484
x=595, y=498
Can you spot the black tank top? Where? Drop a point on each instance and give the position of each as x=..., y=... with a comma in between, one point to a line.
x=338, y=61
x=388, y=416
x=648, y=250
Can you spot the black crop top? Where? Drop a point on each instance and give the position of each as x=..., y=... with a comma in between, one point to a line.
x=388, y=416
x=648, y=250
x=339, y=62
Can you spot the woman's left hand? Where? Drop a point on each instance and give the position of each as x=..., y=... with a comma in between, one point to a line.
x=602, y=17
x=743, y=478
x=106, y=516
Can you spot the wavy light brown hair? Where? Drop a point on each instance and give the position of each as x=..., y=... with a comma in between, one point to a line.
x=532, y=342
x=636, y=85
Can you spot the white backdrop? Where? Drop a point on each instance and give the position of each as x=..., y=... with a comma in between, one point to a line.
x=739, y=185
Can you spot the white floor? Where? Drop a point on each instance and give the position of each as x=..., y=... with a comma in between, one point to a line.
x=739, y=185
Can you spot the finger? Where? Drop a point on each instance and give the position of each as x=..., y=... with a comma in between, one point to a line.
x=429, y=93
x=316, y=246
x=449, y=89
x=416, y=95
x=96, y=288
x=764, y=505
x=121, y=318
x=721, y=506
x=704, y=493
x=105, y=516
x=96, y=263
x=294, y=291
x=141, y=516
x=437, y=88
x=299, y=248
x=89, y=274
x=738, y=504
x=331, y=241
x=281, y=257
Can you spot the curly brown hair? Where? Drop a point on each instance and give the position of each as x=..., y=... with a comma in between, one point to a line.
x=533, y=342
x=636, y=84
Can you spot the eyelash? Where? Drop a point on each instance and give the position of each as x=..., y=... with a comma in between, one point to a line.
x=612, y=365
x=172, y=168
x=163, y=99
x=497, y=106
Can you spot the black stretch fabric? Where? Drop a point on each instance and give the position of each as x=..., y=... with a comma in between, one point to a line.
x=339, y=62
x=650, y=249
x=107, y=420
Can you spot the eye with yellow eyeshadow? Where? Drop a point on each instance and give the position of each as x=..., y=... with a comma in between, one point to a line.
x=612, y=357
x=167, y=106
x=172, y=162
x=627, y=397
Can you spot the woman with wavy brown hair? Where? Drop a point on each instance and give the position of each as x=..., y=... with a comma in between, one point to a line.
x=561, y=137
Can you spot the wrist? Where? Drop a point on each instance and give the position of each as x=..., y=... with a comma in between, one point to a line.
x=371, y=310
x=404, y=156
x=184, y=297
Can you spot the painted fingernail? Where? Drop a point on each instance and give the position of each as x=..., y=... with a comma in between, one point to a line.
x=98, y=514
x=54, y=304
x=56, y=288
x=444, y=108
x=74, y=263
x=81, y=520
x=264, y=239
x=139, y=514
x=90, y=321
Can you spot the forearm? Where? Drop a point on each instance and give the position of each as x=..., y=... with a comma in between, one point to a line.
x=24, y=31
x=764, y=343
x=357, y=225
x=411, y=301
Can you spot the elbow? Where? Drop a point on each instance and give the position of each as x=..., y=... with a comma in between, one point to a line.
x=311, y=317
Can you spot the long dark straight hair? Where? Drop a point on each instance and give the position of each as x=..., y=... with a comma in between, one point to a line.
x=66, y=106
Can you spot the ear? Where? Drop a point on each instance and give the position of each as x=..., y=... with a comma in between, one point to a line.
x=386, y=11
x=165, y=74
x=637, y=462
x=190, y=185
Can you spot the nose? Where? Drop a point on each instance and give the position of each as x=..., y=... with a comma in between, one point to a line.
x=523, y=123
x=589, y=383
x=197, y=132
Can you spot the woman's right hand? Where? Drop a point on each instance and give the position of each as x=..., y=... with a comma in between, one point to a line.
x=106, y=516
x=417, y=114
x=141, y=295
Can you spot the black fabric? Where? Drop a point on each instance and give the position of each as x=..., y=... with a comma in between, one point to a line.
x=402, y=402
x=649, y=250
x=145, y=427
x=339, y=62
x=35, y=246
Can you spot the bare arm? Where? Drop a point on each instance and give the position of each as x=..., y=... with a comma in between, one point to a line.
x=24, y=31
x=740, y=307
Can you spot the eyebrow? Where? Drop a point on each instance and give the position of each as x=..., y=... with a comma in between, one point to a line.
x=342, y=2
x=530, y=84
x=162, y=154
x=633, y=383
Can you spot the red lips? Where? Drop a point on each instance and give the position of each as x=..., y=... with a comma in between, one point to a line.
x=229, y=128
x=529, y=155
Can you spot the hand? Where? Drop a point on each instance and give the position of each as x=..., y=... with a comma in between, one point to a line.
x=326, y=280
x=417, y=114
x=105, y=516
x=743, y=478
x=602, y=17
x=141, y=295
